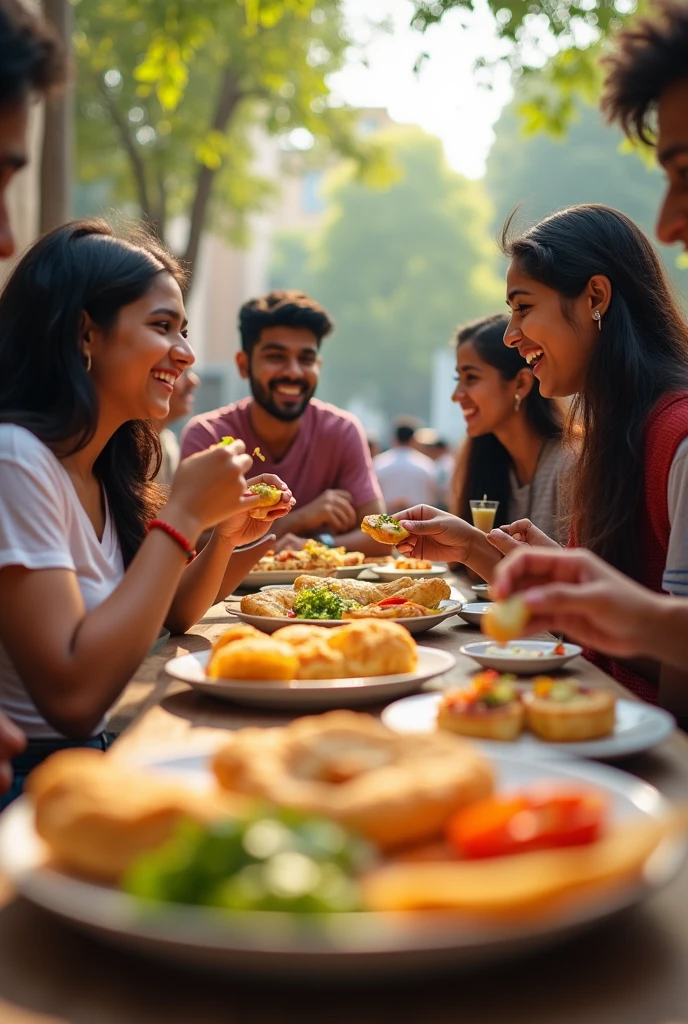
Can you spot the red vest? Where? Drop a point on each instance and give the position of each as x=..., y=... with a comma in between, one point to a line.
x=666, y=427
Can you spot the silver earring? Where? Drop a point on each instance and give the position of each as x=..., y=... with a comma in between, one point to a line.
x=88, y=362
x=517, y=401
x=598, y=316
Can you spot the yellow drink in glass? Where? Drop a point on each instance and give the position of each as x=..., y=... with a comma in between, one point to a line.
x=483, y=513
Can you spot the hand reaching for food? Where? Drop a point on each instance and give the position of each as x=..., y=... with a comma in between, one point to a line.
x=511, y=536
x=435, y=535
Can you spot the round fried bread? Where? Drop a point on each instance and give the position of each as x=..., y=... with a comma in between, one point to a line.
x=257, y=659
x=392, y=789
x=317, y=660
x=374, y=648
x=239, y=631
x=297, y=635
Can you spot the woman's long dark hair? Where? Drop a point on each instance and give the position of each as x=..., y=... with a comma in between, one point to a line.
x=44, y=385
x=483, y=463
x=642, y=355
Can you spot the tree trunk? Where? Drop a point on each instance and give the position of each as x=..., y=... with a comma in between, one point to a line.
x=228, y=98
x=58, y=133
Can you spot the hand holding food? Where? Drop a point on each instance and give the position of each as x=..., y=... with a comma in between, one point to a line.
x=208, y=488
x=435, y=535
x=269, y=497
x=384, y=529
x=505, y=620
x=512, y=536
x=576, y=593
x=255, y=516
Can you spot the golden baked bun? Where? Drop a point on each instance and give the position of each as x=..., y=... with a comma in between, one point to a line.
x=297, y=635
x=504, y=722
x=317, y=660
x=97, y=817
x=374, y=648
x=257, y=659
x=383, y=528
x=563, y=712
x=240, y=631
x=392, y=789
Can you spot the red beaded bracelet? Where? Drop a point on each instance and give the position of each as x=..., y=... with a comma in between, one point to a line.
x=160, y=524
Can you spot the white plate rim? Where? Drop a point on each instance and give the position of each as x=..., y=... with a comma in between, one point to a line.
x=345, y=938
x=522, y=666
x=625, y=744
x=412, y=624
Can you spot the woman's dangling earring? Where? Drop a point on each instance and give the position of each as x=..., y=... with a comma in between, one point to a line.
x=598, y=316
x=517, y=401
x=88, y=362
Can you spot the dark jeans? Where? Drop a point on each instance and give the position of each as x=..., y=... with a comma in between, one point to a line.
x=37, y=751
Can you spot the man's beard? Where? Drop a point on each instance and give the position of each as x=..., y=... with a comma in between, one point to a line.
x=263, y=396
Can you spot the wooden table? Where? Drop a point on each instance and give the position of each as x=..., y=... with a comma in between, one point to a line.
x=630, y=970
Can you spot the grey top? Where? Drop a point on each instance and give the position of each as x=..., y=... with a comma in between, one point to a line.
x=541, y=500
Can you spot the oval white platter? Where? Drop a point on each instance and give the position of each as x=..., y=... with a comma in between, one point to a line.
x=314, y=694
x=521, y=665
x=278, y=577
x=420, y=624
x=355, y=945
x=639, y=727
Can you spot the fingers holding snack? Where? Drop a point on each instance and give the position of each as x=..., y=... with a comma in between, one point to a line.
x=275, y=498
x=434, y=534
x=384, y=529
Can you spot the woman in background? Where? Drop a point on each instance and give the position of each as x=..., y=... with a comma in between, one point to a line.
x=514, y=451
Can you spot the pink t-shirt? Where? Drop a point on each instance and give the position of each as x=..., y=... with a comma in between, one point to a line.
x=329, y=451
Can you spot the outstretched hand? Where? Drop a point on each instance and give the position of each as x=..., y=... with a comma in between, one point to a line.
x=434, y=534
x=512, y=536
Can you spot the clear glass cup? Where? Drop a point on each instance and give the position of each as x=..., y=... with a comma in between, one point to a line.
x=483, y=513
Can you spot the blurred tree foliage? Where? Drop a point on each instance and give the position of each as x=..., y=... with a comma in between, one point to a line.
x=170, y=92
x=398, y=270
x=591, y=165
x=578, y=30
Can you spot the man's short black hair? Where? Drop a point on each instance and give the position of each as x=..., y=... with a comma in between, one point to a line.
x=281, y=309
x=650, y=55
x=32, y=58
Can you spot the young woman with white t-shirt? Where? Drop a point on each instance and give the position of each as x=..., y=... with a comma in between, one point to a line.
x=94, y=560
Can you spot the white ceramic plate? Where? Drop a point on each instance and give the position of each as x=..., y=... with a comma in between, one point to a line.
x=520, y=664
x=473, y=611
x=354, y=945
x=639, y=726
x=316, y=694
x=416, y=625
x=388, y=573
x=481, y=589
x=280, y=577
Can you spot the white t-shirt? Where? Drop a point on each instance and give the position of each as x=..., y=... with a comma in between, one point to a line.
x=675, y=579
x=406, y=478
x=43, y=525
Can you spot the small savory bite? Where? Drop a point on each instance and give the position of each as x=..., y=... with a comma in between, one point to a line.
x=256, y=659
x=269, y=497
x=490, y=708
x=375, y=648
x=317, y=660
x=560, y=710
x=383, y=528
x=505, y=620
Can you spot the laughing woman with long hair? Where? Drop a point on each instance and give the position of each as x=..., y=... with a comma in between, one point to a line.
x=513, y=451
x=94, y=558
x=593, y=314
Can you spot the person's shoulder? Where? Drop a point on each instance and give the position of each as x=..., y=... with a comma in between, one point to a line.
x=18, y=443
x=212, y=417
x=332, y=418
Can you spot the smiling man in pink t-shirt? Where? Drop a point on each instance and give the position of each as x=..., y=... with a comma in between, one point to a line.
x=319, y=450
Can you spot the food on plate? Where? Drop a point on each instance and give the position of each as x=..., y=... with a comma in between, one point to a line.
x=490, y=708
x=98, y=816
x=272, y=860
x=230, y=440
x=313, y=597
x=318, y=660
x=412, y=563
x=514, y=651
x=379, y=560
x=390, y=789
x=375, y=648
x=256, y=658
x=528, y=884
x=539, y=819
x=313, y=555
x=504, y=620
x=562, y=711
x=320, y=603
x=383, y=528
x=239, y=631
x=297, y=635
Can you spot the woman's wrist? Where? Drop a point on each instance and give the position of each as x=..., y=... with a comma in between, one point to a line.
x=182, y=520
x=662, y=629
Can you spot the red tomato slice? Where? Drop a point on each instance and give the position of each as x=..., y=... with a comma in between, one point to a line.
x=536, y=820
x=392, y=600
